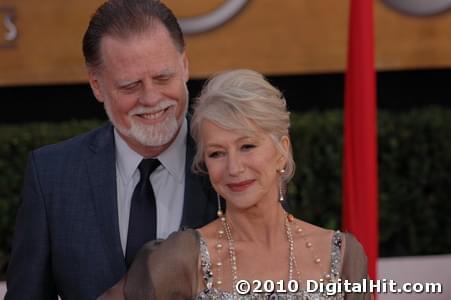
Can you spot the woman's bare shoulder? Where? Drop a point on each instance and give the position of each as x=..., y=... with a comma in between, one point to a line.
x=209, y=232
x=320, y=238
x=310, y=230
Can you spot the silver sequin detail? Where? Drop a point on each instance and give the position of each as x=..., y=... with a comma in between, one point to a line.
x=212, y=293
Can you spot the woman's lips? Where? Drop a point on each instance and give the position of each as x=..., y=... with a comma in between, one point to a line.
x=240, y=186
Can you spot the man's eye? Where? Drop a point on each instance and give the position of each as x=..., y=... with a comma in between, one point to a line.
x=163, y=78
x=130, y=86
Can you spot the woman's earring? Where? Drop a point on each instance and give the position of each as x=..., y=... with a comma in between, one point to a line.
x=281, y=198
x=220, y=213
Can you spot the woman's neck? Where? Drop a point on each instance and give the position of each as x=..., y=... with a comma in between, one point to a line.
x=262, y=225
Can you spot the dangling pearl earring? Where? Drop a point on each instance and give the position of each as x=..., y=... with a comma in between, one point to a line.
x=281, y=198
x=220, y=213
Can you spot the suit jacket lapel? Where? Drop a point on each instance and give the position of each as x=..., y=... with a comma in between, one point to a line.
x=102, y=178
x=199, y=205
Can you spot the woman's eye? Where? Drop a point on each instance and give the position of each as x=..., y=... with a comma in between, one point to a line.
x=215, y=154
x=248, y=146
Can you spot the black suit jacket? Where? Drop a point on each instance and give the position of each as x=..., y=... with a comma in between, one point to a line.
x=67, y=233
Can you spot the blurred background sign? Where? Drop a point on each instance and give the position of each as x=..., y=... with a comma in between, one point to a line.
x=274, y=37
x=8, y=32
x=419, y=7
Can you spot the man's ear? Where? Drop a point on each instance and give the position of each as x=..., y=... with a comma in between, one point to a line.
x=95, y=85
x=185, y=64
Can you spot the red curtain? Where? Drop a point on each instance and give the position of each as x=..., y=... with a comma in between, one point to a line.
x=360, y=184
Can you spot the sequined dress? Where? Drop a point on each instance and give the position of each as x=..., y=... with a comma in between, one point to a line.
x=212, y=293
x=169, y=270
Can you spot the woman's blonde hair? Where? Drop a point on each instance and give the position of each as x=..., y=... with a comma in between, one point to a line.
x=242, y=100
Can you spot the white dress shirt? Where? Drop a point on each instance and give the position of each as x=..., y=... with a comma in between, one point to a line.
x=168, y=182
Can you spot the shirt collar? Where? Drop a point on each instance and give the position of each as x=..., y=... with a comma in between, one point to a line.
x=127, y=159
x=172, y=159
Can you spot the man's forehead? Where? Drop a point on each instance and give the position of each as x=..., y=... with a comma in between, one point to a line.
x=153, y=30
x=154, y=43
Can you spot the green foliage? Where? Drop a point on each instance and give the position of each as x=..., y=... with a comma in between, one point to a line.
x=415, y=182
x=315, y=192
x=414, y=175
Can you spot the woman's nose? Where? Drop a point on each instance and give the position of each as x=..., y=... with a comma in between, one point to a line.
x=235, y=165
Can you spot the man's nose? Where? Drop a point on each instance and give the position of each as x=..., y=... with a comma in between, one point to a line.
x=150, y=95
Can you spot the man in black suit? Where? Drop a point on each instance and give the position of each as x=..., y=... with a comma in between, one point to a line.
x=77, y=217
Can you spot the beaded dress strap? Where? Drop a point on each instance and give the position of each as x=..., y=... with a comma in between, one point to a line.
x=205, y=262
x=335, y=259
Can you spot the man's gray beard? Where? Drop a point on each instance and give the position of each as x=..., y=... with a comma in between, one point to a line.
x=149, y=135
x=155, y=135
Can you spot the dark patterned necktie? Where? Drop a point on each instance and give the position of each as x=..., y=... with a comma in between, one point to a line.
x=142, y=226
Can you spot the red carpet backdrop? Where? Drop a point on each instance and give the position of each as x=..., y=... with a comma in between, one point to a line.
x=360, y=184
